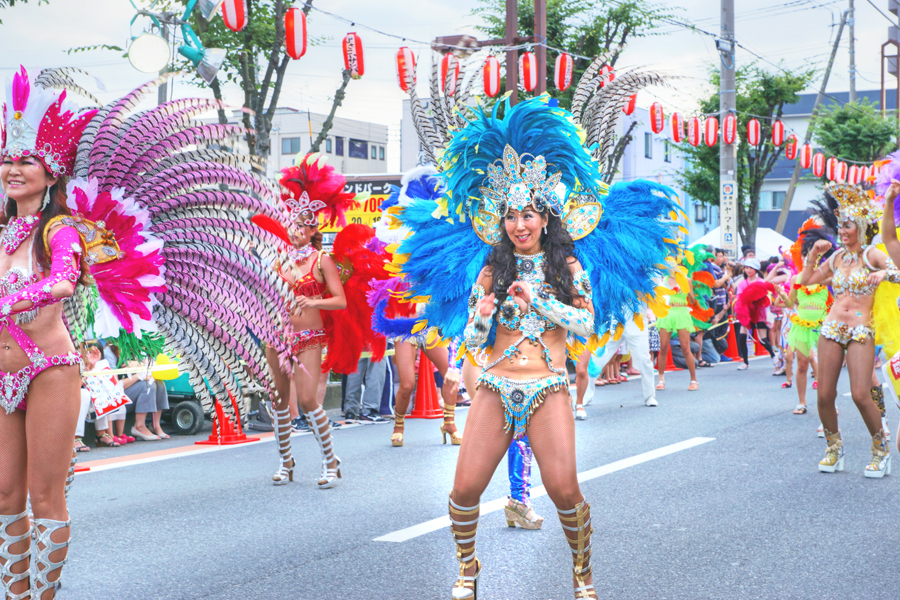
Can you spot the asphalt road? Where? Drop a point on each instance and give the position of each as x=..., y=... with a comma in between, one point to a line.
x=732, y=507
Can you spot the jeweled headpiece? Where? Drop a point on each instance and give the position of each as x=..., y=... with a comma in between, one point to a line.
x=312, y=188
x=854, y=204
x=40, y=122
x=516, y=182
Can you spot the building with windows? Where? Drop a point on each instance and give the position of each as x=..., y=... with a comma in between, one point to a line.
x=354, y=147
x=796, y=121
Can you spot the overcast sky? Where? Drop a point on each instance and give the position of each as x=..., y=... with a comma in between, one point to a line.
x=793, y=33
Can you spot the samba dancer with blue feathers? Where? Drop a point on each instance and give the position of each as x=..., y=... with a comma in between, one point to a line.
x=527, y=254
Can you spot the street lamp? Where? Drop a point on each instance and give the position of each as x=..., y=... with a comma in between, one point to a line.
x=208, y=61
x=149, y=53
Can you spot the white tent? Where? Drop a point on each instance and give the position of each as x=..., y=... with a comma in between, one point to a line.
x=767, y=242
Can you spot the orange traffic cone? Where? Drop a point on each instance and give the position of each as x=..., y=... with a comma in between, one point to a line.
x=732, y=351
x=224, y=433
x=427, y=405
x=670, y=365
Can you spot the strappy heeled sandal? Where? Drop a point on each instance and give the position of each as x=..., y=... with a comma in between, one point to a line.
x=466, y=586
x=397, y=436
x=107, y=441
x=449, y=419
x=7, y=541
x=517, y=513
x=578, y=521
x=318, y=422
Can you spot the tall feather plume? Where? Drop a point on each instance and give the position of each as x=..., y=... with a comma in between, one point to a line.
x=586, y=86
x=424, y=127
x=61, y=79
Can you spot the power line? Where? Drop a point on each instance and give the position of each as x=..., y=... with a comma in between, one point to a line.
x=881, y=13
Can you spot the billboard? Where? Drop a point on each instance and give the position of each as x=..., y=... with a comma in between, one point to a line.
x=369, y=211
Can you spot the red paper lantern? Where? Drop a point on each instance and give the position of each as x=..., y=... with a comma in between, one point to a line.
x=629, y=106
x=295, y=32
x=657, y=118
x=790, y=149
x=831, y=168
x=353, y=55
x=234, y=13
x=562, y=77
x=753, y=132
x=840, y=172
x=863, y=174
x=818, y=164
x=449, y=64
x=528, y=71
x=491, y=76
x=853, y=175
x=406, y=68
x=777, y=133
x=806, y=156
x=711, y=131
x=606, y=75
x=693, y=131
x=874, y=170
x=677, y=127
x=729, y=129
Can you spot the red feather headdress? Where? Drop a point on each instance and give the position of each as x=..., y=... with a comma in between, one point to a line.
x=312, y=188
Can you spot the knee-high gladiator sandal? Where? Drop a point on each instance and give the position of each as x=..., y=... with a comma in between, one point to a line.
x=450, y=419
x=10, y=559
x=43, y=564
x=881, y=457
x=71, y=476
x=318, y=422
x=462, y=518
x=834, y=455
x=878, y=399
x=578, y=521
x=397, y=436
x=282, y=424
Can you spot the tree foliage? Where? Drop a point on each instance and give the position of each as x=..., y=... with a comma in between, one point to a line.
x=856, y=131
x=12, y=3
x=762, y=95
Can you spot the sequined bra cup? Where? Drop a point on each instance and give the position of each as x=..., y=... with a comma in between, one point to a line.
x=17, y=278
x=307, y=285
x=855, y=284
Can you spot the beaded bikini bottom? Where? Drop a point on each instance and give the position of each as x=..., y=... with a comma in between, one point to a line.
x=303, y=340
x=843, y=334
x=521, y=397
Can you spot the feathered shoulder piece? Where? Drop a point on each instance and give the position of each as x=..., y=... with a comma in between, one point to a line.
x=312, y=191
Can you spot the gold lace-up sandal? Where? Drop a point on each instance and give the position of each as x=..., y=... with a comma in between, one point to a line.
x=318, y=423
x=450, y=419
x=44, y=566
x=15, y=561
x=881, y=457
x=463, y=525
x=282, y=424
x=576, y=524
x=397, y=436
x=878, y=398
x=834, y=455
x=521, y=514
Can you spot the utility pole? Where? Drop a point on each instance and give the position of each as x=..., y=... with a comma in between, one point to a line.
x=795, y=177
x=540, y=35
x=728, y=189
x=851, y=21
x=512, y=56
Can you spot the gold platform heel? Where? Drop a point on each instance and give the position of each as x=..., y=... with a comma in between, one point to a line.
x=397, y=436
x=450, y=419
x=880, y=464
x=463, y=518
x=578, y=522
x=521, y=514
x=834, y=455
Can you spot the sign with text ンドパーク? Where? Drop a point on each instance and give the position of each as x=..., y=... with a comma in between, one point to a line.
x=369, y=210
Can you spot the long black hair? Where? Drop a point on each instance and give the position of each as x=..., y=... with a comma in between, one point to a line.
x=557, y=245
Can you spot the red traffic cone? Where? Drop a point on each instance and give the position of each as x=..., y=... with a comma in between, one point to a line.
x=224, y=433
x=427, y=405
x=670, y=365
x=732, y=351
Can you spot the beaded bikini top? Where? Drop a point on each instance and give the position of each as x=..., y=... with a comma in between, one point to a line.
x=17, y=278
x=856, y=283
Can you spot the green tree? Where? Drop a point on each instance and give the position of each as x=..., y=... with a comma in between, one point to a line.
x=856, y=131
x=12, y=3
x=584, y=27
x=761, y=95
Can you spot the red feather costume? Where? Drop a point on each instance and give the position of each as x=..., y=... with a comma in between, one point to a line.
x=751, y=303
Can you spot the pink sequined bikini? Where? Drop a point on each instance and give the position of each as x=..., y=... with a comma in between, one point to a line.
x=21, y=283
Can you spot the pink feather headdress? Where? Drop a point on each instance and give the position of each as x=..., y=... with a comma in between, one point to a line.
x=311, y=188
x=40, y=122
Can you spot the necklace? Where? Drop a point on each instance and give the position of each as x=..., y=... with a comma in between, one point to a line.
x=301, y=254
x=849, y=257
x=17, y=231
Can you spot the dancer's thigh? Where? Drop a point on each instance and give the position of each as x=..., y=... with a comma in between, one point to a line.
x=13, y=463
x=483, y=447
x=552, y=435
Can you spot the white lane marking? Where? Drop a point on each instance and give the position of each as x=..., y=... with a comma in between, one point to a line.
x=415, y=531
x=196, y=451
